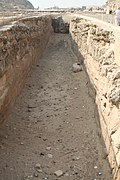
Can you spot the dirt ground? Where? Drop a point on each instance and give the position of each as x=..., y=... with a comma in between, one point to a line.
x=54, y=124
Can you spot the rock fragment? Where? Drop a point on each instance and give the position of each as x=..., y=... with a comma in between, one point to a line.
x=99, y=173
x=58, y=173
x=38, y=166
x=35, y=174
x=48, y=148
x=76, y=68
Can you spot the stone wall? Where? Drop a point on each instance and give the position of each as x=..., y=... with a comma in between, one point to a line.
x=20, y=46
x=97, y=46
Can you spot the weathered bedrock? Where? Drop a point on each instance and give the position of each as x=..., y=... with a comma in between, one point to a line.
x=100, y=51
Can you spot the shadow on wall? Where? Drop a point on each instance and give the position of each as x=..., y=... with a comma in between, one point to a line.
x=92, y=95
x=59, y=26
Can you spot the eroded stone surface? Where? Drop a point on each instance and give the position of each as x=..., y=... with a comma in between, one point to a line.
x=98, y=47
x=20, y=46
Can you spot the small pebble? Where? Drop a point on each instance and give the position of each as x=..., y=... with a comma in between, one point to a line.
x=48, y=148
x=39, y=171
x=45, y=178
x=59, y=173
x=100, y=173
x=35, y=174
x=76, y=68
x=37, y=166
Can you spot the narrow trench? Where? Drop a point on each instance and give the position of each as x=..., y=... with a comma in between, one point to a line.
x=53, y=124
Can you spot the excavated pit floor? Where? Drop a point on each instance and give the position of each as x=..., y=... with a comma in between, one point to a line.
x=53, y=125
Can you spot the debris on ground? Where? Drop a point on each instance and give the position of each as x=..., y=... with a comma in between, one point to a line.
x=77, y=67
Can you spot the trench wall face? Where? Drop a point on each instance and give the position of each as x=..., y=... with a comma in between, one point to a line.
x=97, y=46
x=20, y=46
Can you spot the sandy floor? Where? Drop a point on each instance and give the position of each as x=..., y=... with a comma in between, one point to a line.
x=54, y=124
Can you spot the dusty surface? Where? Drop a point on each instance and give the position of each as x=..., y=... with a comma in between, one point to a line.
x=54, y=124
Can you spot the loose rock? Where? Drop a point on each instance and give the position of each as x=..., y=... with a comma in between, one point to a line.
x=48, y=148
x=59, y=173
x=39, y=171
x=38, y=166
x=76, y=68
x=35, y=174
x=99, y=173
